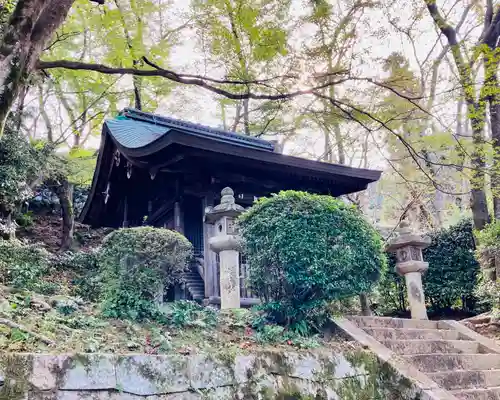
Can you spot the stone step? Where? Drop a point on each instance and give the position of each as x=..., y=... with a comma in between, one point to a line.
x=192, y=278
x=195, y=284
x=451, y=362
x=387, y=322
x=406, y=347
x=459, y=379
x=412, y=334
x=478, y=394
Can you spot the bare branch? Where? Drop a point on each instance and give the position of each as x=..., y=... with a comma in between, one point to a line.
x=186, y=79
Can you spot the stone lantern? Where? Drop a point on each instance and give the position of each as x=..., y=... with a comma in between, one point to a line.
x=226, y=243
x=408, y=247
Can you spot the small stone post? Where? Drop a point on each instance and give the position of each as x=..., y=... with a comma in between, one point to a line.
x=410, y=264
x=226, y=242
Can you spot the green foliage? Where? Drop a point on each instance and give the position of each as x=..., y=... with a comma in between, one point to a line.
x=277, y=334
x=22, y=266
x=48, y=288
x=6, y=9
x=453, y=270
x=87, y=282
x=24, y=220
x=451, y=279
x=391, y=290
x=187, y=313
x=488, y=255
x=488, y=249
x=137, y=265
x=19, y=166
x=305, y=251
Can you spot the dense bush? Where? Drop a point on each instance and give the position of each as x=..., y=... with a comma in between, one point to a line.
x=390, y=293
x=20, y=165
x=453, y=269
x=488, y=251
x=451, y=279
x=136, y=265
x=488, y=255
x=22, y=265
x=86, y=282
x=305, y=251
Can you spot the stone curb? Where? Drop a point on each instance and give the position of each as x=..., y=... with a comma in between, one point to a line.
x=160, y=375
x=465, y=332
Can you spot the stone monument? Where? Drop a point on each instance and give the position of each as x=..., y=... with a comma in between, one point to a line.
x=408, y=247
x=226, y=243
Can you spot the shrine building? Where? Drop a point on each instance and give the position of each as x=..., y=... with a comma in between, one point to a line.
x=163, y=172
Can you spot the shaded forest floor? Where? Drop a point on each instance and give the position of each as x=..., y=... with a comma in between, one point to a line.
x=46, y=230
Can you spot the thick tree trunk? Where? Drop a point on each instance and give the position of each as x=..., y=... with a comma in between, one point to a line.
x=479, y=207
x=30, y=28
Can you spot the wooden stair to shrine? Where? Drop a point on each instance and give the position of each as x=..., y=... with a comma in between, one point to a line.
x=448, y=360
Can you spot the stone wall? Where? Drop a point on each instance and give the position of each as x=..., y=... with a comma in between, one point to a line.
x=261, y=375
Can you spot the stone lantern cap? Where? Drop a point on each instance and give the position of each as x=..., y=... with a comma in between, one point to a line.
x=406, y=237
x=226, y=208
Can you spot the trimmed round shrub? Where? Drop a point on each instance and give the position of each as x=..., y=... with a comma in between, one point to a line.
x=137, y=265
x=304, y=250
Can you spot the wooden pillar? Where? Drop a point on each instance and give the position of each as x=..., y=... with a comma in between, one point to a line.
x=178, y=220
x=178, y=212
x=150, y=208
x=125, y=213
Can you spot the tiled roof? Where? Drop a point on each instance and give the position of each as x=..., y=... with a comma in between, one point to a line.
x=135, y=129
x=135, y=134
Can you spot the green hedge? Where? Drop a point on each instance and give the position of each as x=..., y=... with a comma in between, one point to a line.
x=306, y=250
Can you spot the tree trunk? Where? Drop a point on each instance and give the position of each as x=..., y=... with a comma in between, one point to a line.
x=494, y=105
x=30, y=28
x=365, y=307
x=246, y=116
x=340, y=143
x=328, y=154
x=65, y=194
x=479, y=204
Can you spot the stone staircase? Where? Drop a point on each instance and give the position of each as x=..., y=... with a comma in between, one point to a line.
x=466, y=365
x=194, y=283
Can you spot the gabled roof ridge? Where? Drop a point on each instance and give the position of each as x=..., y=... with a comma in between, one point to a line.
x=173, y=123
